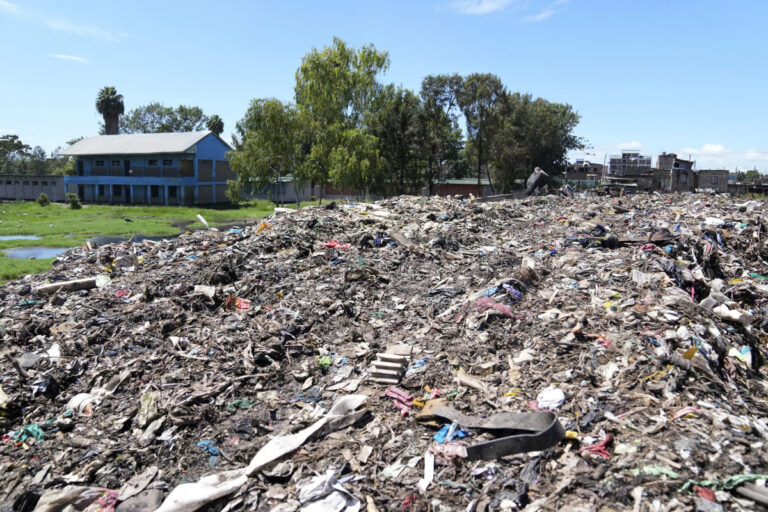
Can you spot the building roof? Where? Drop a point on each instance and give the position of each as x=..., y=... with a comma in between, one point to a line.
x=464, y=181
x=138, y=144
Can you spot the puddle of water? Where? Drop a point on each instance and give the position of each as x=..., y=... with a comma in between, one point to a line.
x=24, y=253
x=19, y=237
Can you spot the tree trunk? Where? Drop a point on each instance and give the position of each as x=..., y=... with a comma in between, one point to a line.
x=479, y=158
x=111, y=126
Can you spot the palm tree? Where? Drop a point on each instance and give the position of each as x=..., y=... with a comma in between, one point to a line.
x=215, y=124
x=110, y=105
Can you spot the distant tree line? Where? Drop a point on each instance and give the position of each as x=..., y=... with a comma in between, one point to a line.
x=16, y=157
x=152, y=118
x=348, y=129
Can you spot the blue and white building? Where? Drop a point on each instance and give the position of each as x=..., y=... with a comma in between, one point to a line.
x=151, y=168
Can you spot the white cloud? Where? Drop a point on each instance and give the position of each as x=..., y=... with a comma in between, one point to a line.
x=543, y=15
x=633, y=144
x=83, y=30
x=547, y=12
x=537, y=10
x=756, y=154
x=480, y=7
x=9, y=6
x=718, y=156
x=707, y=150
x=73, y=58
x=58, y=23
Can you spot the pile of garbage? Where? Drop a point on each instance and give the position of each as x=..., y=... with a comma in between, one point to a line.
x=412, y=354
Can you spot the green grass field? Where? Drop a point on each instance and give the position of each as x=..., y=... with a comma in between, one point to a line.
x=59, y=226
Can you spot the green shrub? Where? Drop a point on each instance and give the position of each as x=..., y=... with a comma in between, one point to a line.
x=234, y=192
x=73, y=200
x=43, y=200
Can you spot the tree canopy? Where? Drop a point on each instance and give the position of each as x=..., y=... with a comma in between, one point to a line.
x=158, y=118
x=272, y=147
x=110, y=105
x=349, y=129
x=335, y=88
x=215, y=124
x=16, y=157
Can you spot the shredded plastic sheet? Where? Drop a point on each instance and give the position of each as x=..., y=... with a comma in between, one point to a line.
x=192, y=496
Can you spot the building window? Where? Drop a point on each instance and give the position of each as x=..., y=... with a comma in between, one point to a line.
x=683, y=178
x=8, y=182
x=26, y=183
x=101, y=190
x=117, y=190
x=34, y=183
x=715, y=179
x=172, y=192
x=99, y=163
x=152, y=163
x=154, y=191
x=44, y=183
x=167, y=162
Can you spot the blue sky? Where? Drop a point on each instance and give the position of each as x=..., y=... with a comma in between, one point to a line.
x=681, y=76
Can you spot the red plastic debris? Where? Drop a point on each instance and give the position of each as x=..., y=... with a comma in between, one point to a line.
x=402, y=399
x=408, y=502
x=599, y=448
x=704, y=493
x=335, y=244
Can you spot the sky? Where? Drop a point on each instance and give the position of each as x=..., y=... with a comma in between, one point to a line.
x=683, y=76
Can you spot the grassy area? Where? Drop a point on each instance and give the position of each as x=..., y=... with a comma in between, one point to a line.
x=11, y=268
x=59, y=226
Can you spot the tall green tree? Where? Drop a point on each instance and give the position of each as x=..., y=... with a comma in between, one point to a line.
x=38, y=163
x=12, y=151
x=272, y=146
x=158, y=118
x=215, y=124
x=335, y=88
x=531, y=133
x=439, y=136
x=395, y=123
x=753, y=176
x=356, y=162
x=479, y=97
x=110, y=105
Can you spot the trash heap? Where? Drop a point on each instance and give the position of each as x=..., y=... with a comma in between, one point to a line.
x=413, y=354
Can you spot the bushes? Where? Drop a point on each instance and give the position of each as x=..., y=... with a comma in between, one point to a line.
x=234, y=192
x=73, y=200
x=43, y=200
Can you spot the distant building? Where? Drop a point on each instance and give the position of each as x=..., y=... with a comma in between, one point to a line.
x=151, y=168
x=584, y=171
x=463, y=186
x=712, y=179
x=25, y=187
x=673, y=174
x=629, y=164
x=674, y=180
x=669, y=161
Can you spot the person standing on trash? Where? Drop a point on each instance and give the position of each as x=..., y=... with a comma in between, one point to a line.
x=535, y=181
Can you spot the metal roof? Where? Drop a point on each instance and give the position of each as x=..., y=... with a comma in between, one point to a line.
x=137, y=144
x=464, y=181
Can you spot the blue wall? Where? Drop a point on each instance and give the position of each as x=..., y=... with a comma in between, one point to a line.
x=212, y=148
x=208, y=148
